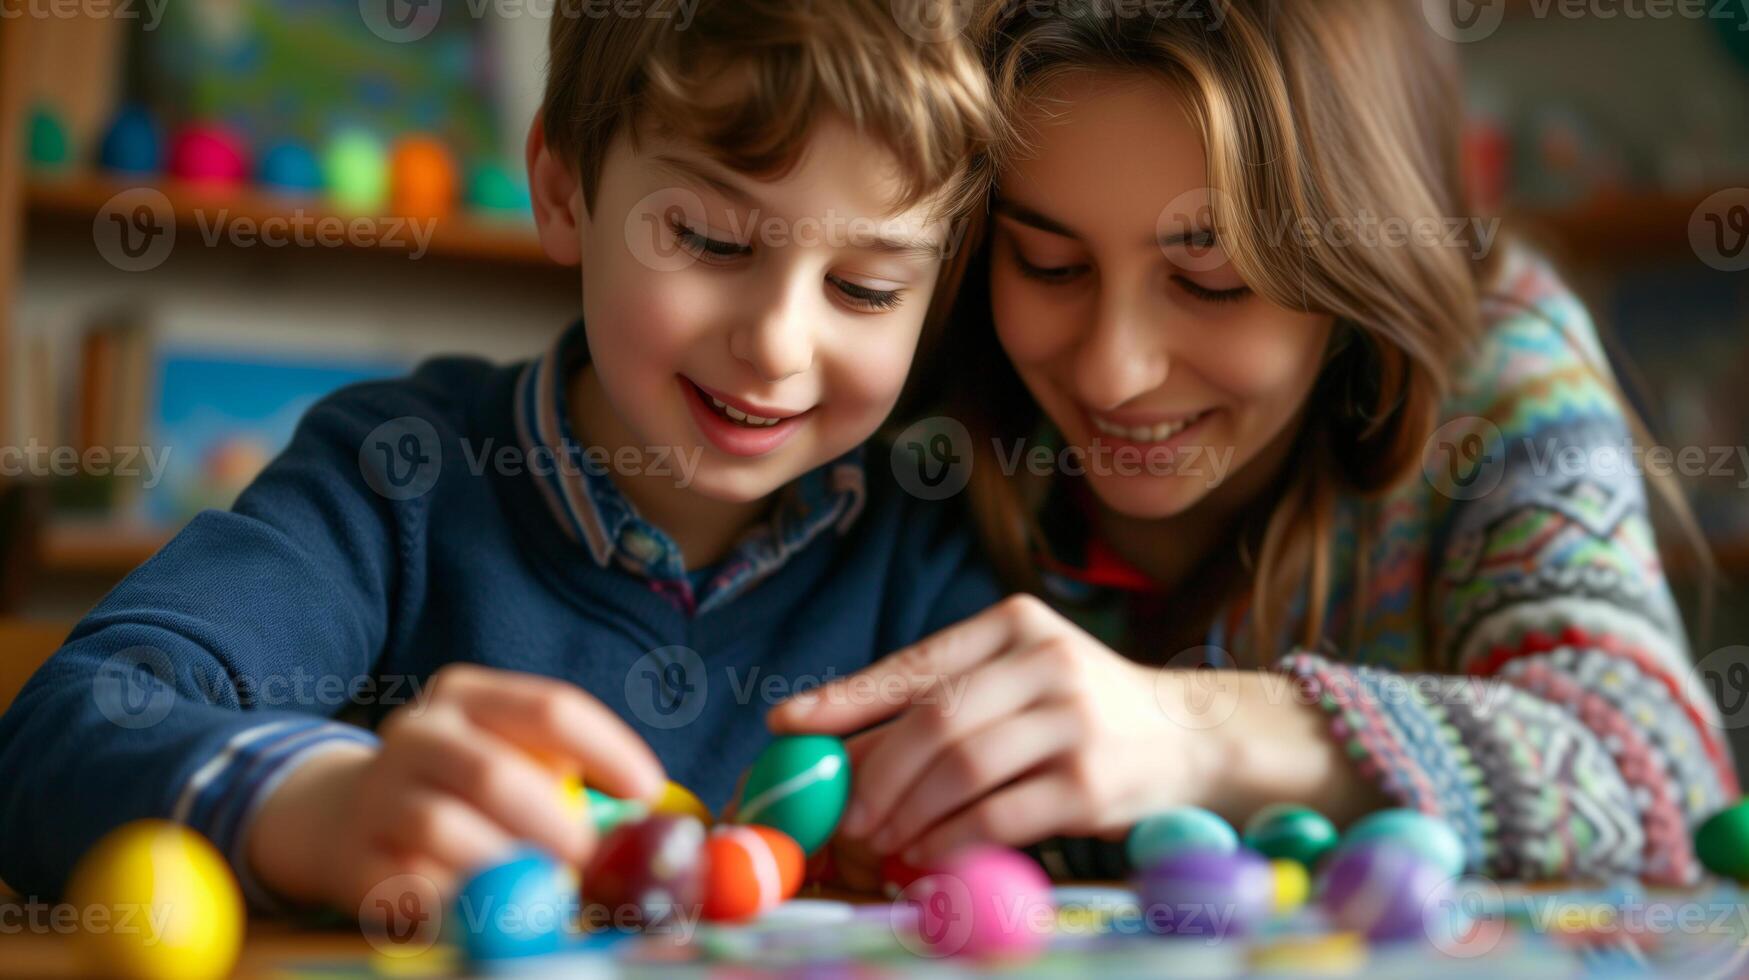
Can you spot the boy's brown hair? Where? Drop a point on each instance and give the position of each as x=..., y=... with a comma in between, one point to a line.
x=745, y=79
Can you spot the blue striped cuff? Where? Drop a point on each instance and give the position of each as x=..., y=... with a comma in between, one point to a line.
x=221, y=798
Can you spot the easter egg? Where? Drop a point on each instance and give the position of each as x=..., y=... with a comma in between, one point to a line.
x=984, y=902
x=1206, y=893
x=1722, y=842
x=748, y=871
x=1294, y=832
x=896, y=875
x=678, y=801
x=608, y=812
x=422, y=178
x=290, y=167
x=47, y=145
x=1383, y=889
x=169, y=901
x=518, y=908
x=648, y=872
x=1185, y=828
x=1430, y=836
x=357, y=171
x=798, y=785
x=494, y=188
x=131, y=144
x=208, y=154
x=1293, y=884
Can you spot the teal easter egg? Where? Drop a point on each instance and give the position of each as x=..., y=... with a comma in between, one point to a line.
x=1722, y=842
x=798, y=785
x=1431, y=837
x=1296, y=833
x=1181, y=829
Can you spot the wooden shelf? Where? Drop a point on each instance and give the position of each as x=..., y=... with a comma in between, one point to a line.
x=464, y=235
x=1619, y=226
x=97, y=548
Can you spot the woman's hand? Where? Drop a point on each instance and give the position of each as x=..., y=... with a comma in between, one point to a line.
x=1012, y=726
x=458, y=782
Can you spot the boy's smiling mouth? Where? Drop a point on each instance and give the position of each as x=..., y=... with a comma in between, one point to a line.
x=736, y=426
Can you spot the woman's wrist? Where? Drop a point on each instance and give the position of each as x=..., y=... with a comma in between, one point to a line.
x=291, y=838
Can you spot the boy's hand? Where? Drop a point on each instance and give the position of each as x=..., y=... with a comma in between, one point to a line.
x=457, y=783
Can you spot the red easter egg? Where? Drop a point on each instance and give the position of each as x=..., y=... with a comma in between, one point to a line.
x=896, y=875
x=647, y=873
x=208, y=154
x=749, y=870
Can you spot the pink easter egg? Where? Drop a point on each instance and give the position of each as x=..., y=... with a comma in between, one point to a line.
x=208, y=154
x=984, y=902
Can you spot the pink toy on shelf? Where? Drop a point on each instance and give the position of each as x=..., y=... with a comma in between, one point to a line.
x=209, y=154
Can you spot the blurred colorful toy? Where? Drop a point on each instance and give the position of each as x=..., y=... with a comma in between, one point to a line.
x=1384, y=890
x=985, y=902
x=208, y=154
x=48, y=146
x=289, y=166
x=1206, y=893
x=1180, y=829
x=422, y=178
x=357, y=172
x=1294, y=832
x=519, y=908
x=799, y=785
x=493, y=189
x=1428, y=836
x=748, y=871
x=648, y=872
x=132, y=144
x=177, y=890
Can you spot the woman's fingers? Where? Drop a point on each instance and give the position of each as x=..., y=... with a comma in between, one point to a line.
x=888, y=685
x=548, y=716
x=1030, y=810
x=912, y=743
x=976, y=766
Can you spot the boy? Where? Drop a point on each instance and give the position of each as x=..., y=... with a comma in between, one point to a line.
x=607, y=560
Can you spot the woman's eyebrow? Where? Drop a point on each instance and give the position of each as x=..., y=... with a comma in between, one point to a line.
x=1033, y=219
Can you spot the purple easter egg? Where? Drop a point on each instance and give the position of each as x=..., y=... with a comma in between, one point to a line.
x=1382, y=890
x=1206, y=893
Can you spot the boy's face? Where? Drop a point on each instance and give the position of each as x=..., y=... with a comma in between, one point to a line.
x=763, y=327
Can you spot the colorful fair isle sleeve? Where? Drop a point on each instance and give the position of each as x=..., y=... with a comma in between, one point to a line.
x=1565, y=738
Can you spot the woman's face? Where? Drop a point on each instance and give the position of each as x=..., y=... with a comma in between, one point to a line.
x=1124, y=316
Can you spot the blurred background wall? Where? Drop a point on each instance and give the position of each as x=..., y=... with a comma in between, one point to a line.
x=212, y=212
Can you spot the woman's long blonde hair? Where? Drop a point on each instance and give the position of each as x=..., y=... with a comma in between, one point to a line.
x=1327, y=110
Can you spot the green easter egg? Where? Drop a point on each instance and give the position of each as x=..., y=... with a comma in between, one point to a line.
x=607, y=812
x=798, y=785
x=1722, y=842
x=47, y=144
x=1430, y=837
x=1184, y=828
x=1296, y=833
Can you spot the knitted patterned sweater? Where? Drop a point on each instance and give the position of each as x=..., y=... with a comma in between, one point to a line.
x=1517, y=665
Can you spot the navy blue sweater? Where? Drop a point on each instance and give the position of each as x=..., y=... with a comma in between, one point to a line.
x=186, y=690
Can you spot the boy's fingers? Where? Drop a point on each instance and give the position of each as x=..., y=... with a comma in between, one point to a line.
x=557, y=718
x=397, y=896
x=885, y=687
x=446, y=829
x=502, y=782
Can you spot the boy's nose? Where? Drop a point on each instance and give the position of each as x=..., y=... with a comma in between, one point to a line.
x=777, y=344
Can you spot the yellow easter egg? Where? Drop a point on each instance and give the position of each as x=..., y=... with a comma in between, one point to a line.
x=575, y=798
x=157, y=902
x=678, y=801
x=1293, y=884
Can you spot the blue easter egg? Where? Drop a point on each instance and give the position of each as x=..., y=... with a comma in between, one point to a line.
x=290, y=166
x=132, y=144
x=518, y=908
x=1181, y=829
x=1431, y=837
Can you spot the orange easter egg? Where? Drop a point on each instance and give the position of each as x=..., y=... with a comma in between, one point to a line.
x=749, y=870
x=422, y=178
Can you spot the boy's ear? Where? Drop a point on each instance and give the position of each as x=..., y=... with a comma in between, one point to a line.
x=557, y=198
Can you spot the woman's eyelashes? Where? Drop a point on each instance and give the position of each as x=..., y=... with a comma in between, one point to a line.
x=1057, y=274
x=1208, y=295
x=715, y=251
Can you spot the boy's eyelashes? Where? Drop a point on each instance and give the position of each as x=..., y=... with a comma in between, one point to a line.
x=715, y=251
